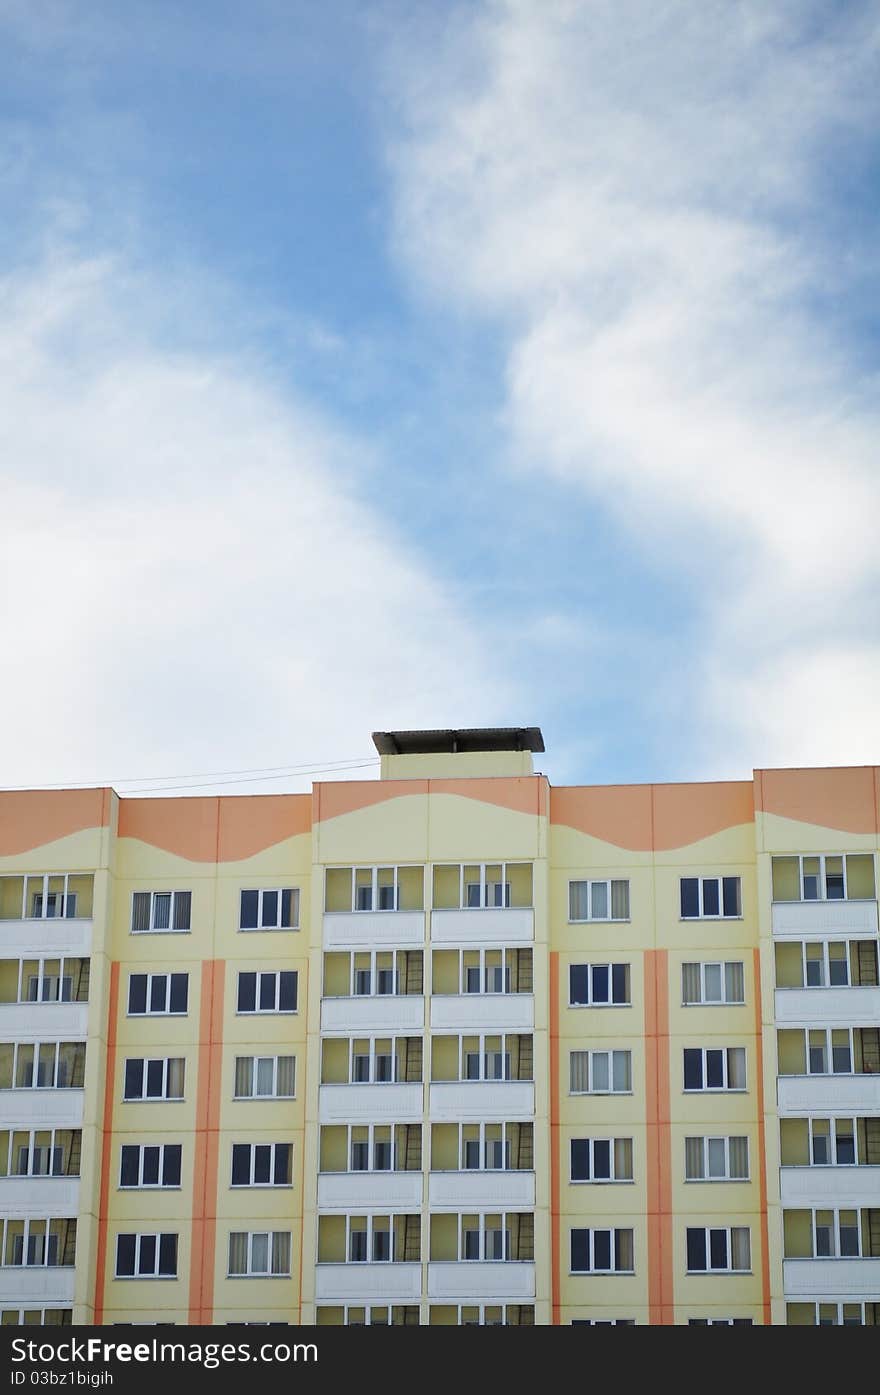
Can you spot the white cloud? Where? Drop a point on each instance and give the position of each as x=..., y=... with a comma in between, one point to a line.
x=636, y=194
x=194, y=575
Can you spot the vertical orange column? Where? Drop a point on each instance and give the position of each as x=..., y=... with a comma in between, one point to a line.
x=207, y=1144
x=555, y=1257
x=106, y=1145
x=661, y=1298
x=762, y=1141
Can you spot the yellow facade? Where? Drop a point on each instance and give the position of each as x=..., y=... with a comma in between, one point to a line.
x=451, y=1046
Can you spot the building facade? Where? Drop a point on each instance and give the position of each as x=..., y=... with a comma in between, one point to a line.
x=450, y=1046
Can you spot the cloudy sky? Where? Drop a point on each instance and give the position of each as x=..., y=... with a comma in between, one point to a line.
x=417, y=363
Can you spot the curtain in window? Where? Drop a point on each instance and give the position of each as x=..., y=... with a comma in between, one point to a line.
x=693, y=1158
x=734, y=983
x=175, y=1077
x=736, y=1068
x=620, y=900
x=740, y=1248
x=599, y=900
x=238, y=1252
x=622, y=1070
x=286, y=1066
x=623, y=1165
x=281, y=1252
x=599, y=1063
x=739, y=1157
x=162, y=910
x=182, y=907
x=140, y=910
x=690, y=983
x=243, y=1075
x=578, y=906
x=623, y=1250
x=579, y=1072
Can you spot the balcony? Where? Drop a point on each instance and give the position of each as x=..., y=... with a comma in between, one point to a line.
x=373, y=929
x=478, y=1189
x=43, y=1021
x=475, y=1100
x=828, y=1187
x=391, y=1012
x=483, y=1012
x=49, y=938
x=828, y=1094
x=829, y=1279
x=489, y=925
x=360, y=1191
x=828, y=1007
x=43, y=1196
x=798, y=918
x=371, y=1283
x=31, y=1286
x=489, y=1281
x=42, y=1109
x=380, y=1103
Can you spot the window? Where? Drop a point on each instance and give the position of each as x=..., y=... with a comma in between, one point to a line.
x=726, y=1249
x=712, y=983
x=836, y=1235
x=826, y=964
x=264, y=1077
x=715, y=1069
x=261, y=1252
x=157, y=994
x=707, y=898
x=601, y=1160
x=35, y=1242
x=602, y=1252
x=52, y=904
x=603, y=1322
x=716, y=1159
x=598, y=985
x=824, y=877
x=482, y=886
x=270, y=910
x=719, y=1322
x=43, y=987
x=272, y=992
x=838, y=1052
x=160, y=910
x=833, y=1141
x=150, y=1165
x=146, y=1256
x=43, y=1065
x=261, y=1164
x=154, y=1079
x=605, y=900
x=600, y=1072
x=36, y=1317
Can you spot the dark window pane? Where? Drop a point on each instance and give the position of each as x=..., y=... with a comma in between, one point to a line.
x=247, y=992
x=182, y=906
x=267, y=992
x=250, y=901
x=711, y=903
x=578, y=983
x=718, y=1249
x=690, y=897
x=600, y=983
x=137, y=993
x=241, y=1164
x=846, y=1148
x=171, y=1165
x=601, y=1249
x=167, y=1254
x=360, y=1156
x=286, y=903
x=601, y=1159
x=125, y=1255
x=714, y=1070
x=282, y=1163
x=262, y=1164
x=288, y=992
x=580, y=1160
x=693, y=1069
x=158, y=992
x=129, y=1170
x=696, y=1249
x=179, y=992
x=580, y=1251
x=147, y=1257
x=834, y=886
x=270, y=909
x=731, y=896
x=155, y=1079
x=841, y=1060
x=151, y=1166
x=134, y=1080
x=619, y=986
x=140, y=910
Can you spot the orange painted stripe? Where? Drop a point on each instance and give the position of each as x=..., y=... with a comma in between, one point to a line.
x=303, y=998
x=555, y=1250
x=106, y=1145
x=207, y=1144
x=762, y=1150
x=661, y=1297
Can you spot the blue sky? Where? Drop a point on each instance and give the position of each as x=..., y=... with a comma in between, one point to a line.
x=403, y=364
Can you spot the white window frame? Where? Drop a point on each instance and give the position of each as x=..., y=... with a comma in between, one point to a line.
x=835, y=1231
x=369, y=1232
x=483, y=1145
x=725, y=1140
x=591, y=1232
x=722, y=965
x=589, y=883
x=139, y=1236
x=374, y=869
x=721, y=1322
x=484, y=970
x=140, y=1185
x=485, y=1054
x=603, y=1322
x=21, y=1313
x=728, y=1232
x=371, y=1146
x=367, y=1309
x=486, y=1234
x=825, y=960
x=252, y=1147
x=593, y=1180
x=592, y=1000
x=829, y=1050
x=36, y=1229
x=593, y=1055
x=373, y=1055
x=261, y=892
x=481, y=1310
x=719, y=882
x=255, y=1066
x=483, y=903
x=68, y=898
x=831, y=1135
x=250, y=1272
x=149, y=1099
x=823, y=878
x=63, y=981
x=257, y=1010
x=32, y=1149
x=726, y=1087
x=839, y=1305
x=35, y=1064
x=152, y=928
x=397, y=958
x=157, y=1012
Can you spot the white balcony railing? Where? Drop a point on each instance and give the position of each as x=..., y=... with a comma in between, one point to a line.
x=373, y=929
x=828, y=1094
x=43, y=939
x=483, y=1012
x=43, y=1021
x=828, y=1007
x=39, y=1196
x=341, y=1104
x=480, y=1190
x=842, y=1279
x=373, y=1283
x=45, y=1109
x=475, y=1100
x=494, y=925
x=32, y=1285
x=360, y=1191
x=793, y=918
x=829, y=1186
x=481, y=1280
x=394, y=1012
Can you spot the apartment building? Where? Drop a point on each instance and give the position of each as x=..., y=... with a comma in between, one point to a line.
x=452, y=1046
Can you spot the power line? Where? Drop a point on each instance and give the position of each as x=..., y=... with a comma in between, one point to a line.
x=279, y=772
x=252, y=779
